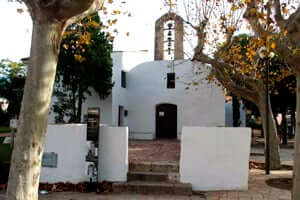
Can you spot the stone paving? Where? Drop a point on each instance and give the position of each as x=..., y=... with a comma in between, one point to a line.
x=154, y=151
x=286, y=155
x=169, y=151
x=258, y=190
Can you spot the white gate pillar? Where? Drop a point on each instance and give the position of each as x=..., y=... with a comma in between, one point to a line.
x=113, y=154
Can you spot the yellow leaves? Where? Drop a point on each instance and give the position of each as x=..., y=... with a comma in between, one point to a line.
x=252, y=11
x=65, y=46
x=111, y=38
x=260, y=42
x=114, y=21
x=296, y=51
x=230, y=29
x=84, y=38
x=234, y=7
x=79, y=58
x=284, y=33
x=251, y=53
x=67, y=33
x=104, y=27
x=116, y=12
x=285, y=11
x=20, y=10
x=92, y=24
x=273, y=45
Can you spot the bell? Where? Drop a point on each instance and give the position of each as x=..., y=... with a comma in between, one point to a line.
x=169, y=51
x=170, y=33
x=170, y=25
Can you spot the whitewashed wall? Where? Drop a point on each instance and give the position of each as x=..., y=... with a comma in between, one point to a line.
x=214, y=158
x=69, y=142
x=91, y=101
x=146, y=88
x=105, y=107
x=113, y=154
x=123, y=60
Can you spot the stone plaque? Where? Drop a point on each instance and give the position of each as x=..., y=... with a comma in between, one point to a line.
x=49, y=159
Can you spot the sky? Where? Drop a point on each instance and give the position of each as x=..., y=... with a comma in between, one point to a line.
x=15, y=35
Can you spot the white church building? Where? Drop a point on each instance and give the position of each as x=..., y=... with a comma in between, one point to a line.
x=156, y=98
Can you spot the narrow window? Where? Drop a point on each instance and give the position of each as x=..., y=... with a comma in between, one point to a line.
x=123, y=79
x=171, y=80
x=121, y=116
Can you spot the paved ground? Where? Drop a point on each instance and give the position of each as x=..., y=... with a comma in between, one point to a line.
x=169, y=151
x=286, y=155
x=154, y=151
x=258, y=190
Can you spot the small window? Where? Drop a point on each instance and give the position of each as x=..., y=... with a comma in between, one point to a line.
x=123, y=79
x=171, y=80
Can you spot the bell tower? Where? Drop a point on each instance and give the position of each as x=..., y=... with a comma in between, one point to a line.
x=169, y=37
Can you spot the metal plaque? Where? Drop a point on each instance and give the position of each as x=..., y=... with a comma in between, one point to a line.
x=93, y=120
x=161, y=114
x=49, y=159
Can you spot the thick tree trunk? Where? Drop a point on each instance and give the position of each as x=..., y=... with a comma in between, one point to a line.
x=273, y=139
x=296, y=178
x=27, y=153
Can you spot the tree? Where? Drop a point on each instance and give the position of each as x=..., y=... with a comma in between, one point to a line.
x=50, y=19
x=281, y=17
x=227, y=21
x=276, y=23
x=283, y=100
x=82, y=64
x=12, y=85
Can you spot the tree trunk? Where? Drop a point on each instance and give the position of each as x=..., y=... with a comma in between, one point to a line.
x=27, y=153
x=284, y=127
x=293, y=117
x=79, y=105
x=236, y=116
x=73, y=101
x=273, y=139
x=296, y=178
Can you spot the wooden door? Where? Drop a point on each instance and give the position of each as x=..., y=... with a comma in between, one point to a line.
x=166, y=121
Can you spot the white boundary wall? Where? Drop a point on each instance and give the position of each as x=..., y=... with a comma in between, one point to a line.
x=214, y=158
x=113, y=154
x=69, y=142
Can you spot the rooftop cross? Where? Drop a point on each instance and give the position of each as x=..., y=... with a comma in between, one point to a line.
x=171, y=4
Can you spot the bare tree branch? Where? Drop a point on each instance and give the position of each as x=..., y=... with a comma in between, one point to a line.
x=61, y=10
x=97, y=5
x=252, y=18
x=278, y=15
x=228, y=81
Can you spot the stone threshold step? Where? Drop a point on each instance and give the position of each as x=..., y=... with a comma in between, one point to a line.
x=154, y=167
x=152, y=176
x=153, y=188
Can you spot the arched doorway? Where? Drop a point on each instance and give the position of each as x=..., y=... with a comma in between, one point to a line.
x=166, y=121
